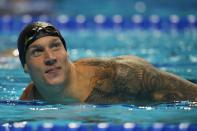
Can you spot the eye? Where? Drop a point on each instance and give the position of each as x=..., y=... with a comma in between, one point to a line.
x=55, y=46
x=36, y=52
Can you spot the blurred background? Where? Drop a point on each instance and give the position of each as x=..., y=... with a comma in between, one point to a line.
x=93, y=7
x=14, y=14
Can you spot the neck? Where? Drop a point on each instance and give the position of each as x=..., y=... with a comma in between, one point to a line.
x=75, y=84
x=80, y=86
x=61, y=93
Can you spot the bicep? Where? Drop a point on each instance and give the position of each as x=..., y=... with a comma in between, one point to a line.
x=164, y=86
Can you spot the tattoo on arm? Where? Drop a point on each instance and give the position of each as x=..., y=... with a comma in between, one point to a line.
x=165, y=86
x=102, y=83
x=132, y=82
x=114, y=85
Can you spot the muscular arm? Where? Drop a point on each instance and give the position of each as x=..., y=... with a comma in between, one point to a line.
x=165, y=86
x=130, y=81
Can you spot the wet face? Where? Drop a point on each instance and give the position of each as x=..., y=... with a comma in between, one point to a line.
x=47, y=62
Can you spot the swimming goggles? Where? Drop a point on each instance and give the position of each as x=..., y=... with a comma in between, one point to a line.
x=39, y=31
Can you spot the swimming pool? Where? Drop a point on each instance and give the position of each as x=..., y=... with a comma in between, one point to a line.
x=167, y=41
x=171, y=49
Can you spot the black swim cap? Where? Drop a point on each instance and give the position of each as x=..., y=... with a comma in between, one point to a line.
x=32, y=32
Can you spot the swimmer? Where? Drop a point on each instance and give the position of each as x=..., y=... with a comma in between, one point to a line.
x=122, y=79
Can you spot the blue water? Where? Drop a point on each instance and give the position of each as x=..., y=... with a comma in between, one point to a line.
x=126, y=7
x=173, y=50
x=37, y=113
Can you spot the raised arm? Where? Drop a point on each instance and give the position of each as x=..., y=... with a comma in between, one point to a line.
x=165, y=86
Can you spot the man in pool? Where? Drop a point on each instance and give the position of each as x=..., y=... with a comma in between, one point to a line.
x=122, y=79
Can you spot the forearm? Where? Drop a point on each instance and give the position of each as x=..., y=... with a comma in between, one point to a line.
x=165, y=86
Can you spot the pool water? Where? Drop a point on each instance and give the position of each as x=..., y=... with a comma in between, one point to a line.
x=172, y=50
x=36, y=113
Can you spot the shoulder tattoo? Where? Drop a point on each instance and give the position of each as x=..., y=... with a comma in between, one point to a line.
x=115, y=83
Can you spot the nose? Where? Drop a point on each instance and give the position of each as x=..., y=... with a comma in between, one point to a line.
x=50, y=59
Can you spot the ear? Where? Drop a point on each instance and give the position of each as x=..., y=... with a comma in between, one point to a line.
x=26, y=70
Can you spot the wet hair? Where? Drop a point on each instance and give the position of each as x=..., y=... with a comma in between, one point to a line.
x=32, y=32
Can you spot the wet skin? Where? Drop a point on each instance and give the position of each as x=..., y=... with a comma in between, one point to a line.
x=123, y=79
x=48, y=66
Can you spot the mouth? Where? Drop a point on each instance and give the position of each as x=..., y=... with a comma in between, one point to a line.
x=52, y=70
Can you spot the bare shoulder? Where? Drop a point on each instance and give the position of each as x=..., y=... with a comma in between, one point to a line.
x=121, y=67
x=96, y=65
x=132, y=79
x=129, y=59
x=27, y=93
x=116, y=79
x=31, y=93
x=92, y=61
